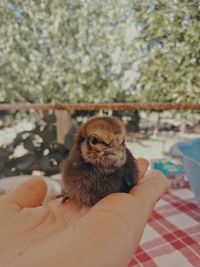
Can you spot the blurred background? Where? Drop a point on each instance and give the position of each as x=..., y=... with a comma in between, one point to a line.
x=92, y=51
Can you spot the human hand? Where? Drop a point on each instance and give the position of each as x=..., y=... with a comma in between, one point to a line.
x=54, y=235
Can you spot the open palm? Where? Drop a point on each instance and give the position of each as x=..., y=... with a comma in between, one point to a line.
x=56, y=234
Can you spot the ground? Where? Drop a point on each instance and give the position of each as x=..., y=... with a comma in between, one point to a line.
x=157, y=146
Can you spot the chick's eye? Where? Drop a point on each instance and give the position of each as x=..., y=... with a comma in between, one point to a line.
x=94, y=140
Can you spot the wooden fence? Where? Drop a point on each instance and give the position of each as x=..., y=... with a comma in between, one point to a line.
x=109, y=106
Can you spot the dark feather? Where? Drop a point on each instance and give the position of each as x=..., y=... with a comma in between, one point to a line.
x=86, y=182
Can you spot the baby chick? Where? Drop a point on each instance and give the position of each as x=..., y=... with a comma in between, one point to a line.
x=99, y=162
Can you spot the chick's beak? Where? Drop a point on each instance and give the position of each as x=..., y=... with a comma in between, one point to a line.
x=114, y=151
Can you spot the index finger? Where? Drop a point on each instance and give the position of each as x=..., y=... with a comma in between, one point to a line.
x=142, y=165
x=28, y=194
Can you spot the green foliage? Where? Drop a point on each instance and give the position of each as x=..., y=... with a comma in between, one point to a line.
x=169, y=37
x=91, y=51
x=67, y=51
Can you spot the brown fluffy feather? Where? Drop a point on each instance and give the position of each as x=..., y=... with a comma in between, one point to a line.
x=99, y=163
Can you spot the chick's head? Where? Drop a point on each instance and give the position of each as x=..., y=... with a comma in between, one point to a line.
x=102, y=142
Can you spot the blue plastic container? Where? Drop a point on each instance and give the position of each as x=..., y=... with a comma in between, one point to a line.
x=190, y=154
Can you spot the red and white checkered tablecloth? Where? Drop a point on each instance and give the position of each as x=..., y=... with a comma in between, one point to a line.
x=172, y=236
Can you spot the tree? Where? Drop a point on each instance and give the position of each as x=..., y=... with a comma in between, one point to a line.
x=68, y=51
x=99, y=51
x=169, y=40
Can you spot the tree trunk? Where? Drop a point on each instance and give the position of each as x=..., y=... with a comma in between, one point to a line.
x=64, y=121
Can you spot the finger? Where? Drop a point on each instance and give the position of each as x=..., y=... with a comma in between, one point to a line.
x=152, y=186
x=142, y=165
x=142, y=197
x=139, y=203
x=119, y=220
x=29, y=194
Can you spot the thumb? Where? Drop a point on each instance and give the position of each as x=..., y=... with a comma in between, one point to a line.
x=29, y=194
x=142, y=165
